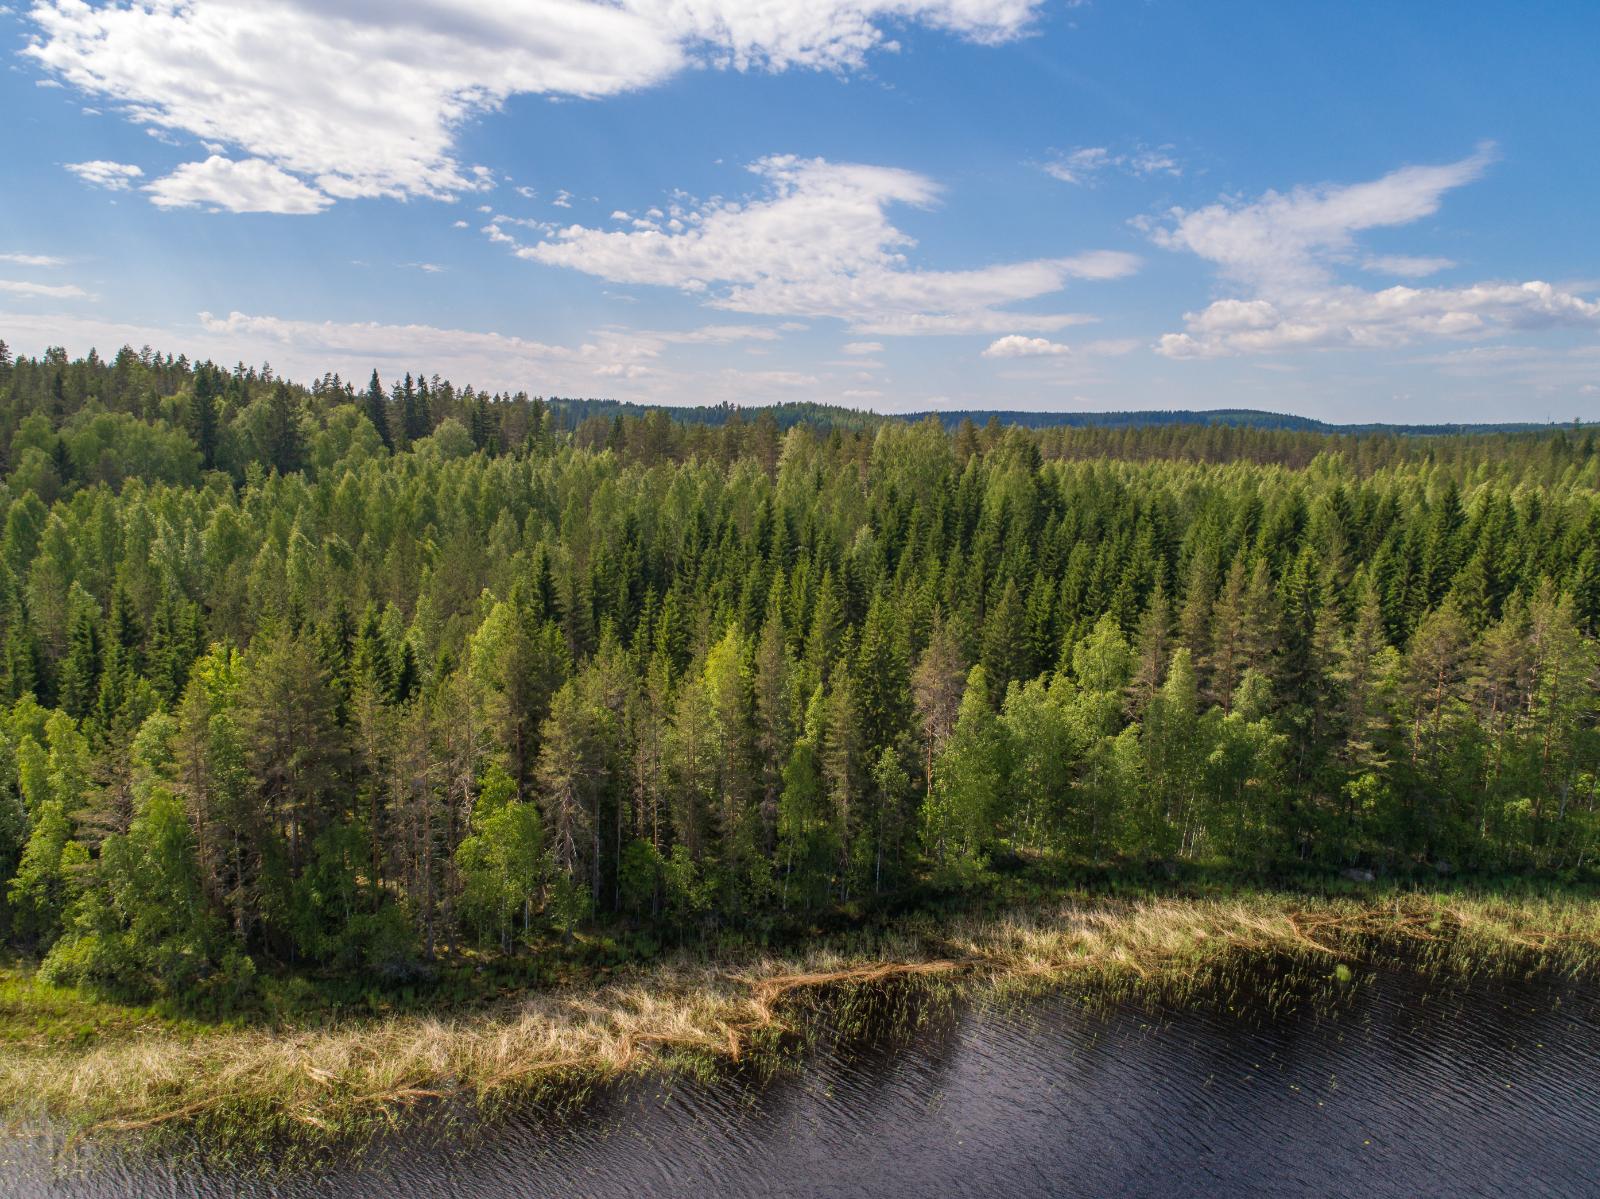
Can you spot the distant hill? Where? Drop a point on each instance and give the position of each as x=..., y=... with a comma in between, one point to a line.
x=1247, y=418
x=572, y=412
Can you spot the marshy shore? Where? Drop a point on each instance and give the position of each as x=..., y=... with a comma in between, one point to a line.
x=136, y=1076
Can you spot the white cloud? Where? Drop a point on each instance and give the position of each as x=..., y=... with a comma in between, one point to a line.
x=1015, y=346
x=1080, y=165
x=1282, y=250
x=921, y=324
x=54, y=291
x=768, y=381
x=1111, y=347
x=563, y=199
x=366, y=99
x=32, y=260
x=460, y=225
x=863, y=347
x=1083, y=166
x=1283, y=241
x=253, y=185
x=1538, y=369
x=1154, y=162
x=527, y=193
x=113, y=176
x=818, y=243
x=717, y=335
x=1406, y=266
x=1348, y=317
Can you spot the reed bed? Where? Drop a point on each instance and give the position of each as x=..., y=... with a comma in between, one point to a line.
x=252, y=1087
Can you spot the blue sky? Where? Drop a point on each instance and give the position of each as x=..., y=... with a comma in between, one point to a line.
x=1356, y=212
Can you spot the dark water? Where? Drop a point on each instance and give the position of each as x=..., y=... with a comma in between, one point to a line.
x=1403, y=1087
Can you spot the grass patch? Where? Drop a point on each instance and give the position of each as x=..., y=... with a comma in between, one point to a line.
x=36, y=1016
x=108, y=1071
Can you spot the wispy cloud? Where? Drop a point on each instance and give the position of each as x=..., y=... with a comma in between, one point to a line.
x=819, y=243
x=50, y=291
x=1287, y=240
x=1283, y=250
x=1084, y=166
x=1406, y=266
x=113, y=176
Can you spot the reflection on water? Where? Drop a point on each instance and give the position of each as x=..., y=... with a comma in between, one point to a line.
x=1409, y=1087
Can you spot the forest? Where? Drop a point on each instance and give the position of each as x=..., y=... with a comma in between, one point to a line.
x=355, y=677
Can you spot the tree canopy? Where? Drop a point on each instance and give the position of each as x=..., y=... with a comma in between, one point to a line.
x=317, y=675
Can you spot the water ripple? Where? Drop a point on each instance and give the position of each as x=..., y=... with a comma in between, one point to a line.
x=1409, y=1086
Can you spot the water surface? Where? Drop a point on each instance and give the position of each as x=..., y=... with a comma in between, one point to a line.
x=1406, y=1087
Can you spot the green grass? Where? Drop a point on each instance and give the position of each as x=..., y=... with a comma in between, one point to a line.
x=36, y=1015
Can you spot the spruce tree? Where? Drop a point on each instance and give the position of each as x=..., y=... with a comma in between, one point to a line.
x=376, y=407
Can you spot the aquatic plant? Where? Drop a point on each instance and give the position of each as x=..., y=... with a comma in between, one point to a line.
x=246, y=1088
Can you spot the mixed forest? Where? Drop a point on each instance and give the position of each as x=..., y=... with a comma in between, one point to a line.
x=350, y=677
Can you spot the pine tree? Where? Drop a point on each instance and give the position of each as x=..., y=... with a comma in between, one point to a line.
x=377, y=409
x=295, y=750
x=774, y=707
x=1005, y=639
x=201, y=417
x=79, y=679
x=1154, y=651
x=843, y=754
x=418, y=412
x=283, y=445
x=822, y=644
x=1229, y=657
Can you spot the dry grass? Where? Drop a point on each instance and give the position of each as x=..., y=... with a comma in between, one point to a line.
x=331, y=1083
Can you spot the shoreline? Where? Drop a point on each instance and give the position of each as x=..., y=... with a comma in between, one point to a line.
x=242, y=1088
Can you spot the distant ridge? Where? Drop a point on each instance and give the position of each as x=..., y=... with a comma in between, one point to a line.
x=1244, y=418
x=573, y=412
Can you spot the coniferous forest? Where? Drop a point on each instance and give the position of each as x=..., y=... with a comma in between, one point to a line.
x=352, y=677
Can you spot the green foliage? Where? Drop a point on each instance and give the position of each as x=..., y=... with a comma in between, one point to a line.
x=502, y=861
x=42, y=887
x=349, y=678
x=140, y=927
x=965, y=803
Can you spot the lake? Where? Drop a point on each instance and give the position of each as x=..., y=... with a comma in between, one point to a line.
x=1403, y=1086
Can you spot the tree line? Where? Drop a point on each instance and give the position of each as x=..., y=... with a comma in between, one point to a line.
x=349, y=678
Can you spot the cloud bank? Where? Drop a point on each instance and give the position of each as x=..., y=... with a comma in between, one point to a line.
x=362, y=98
